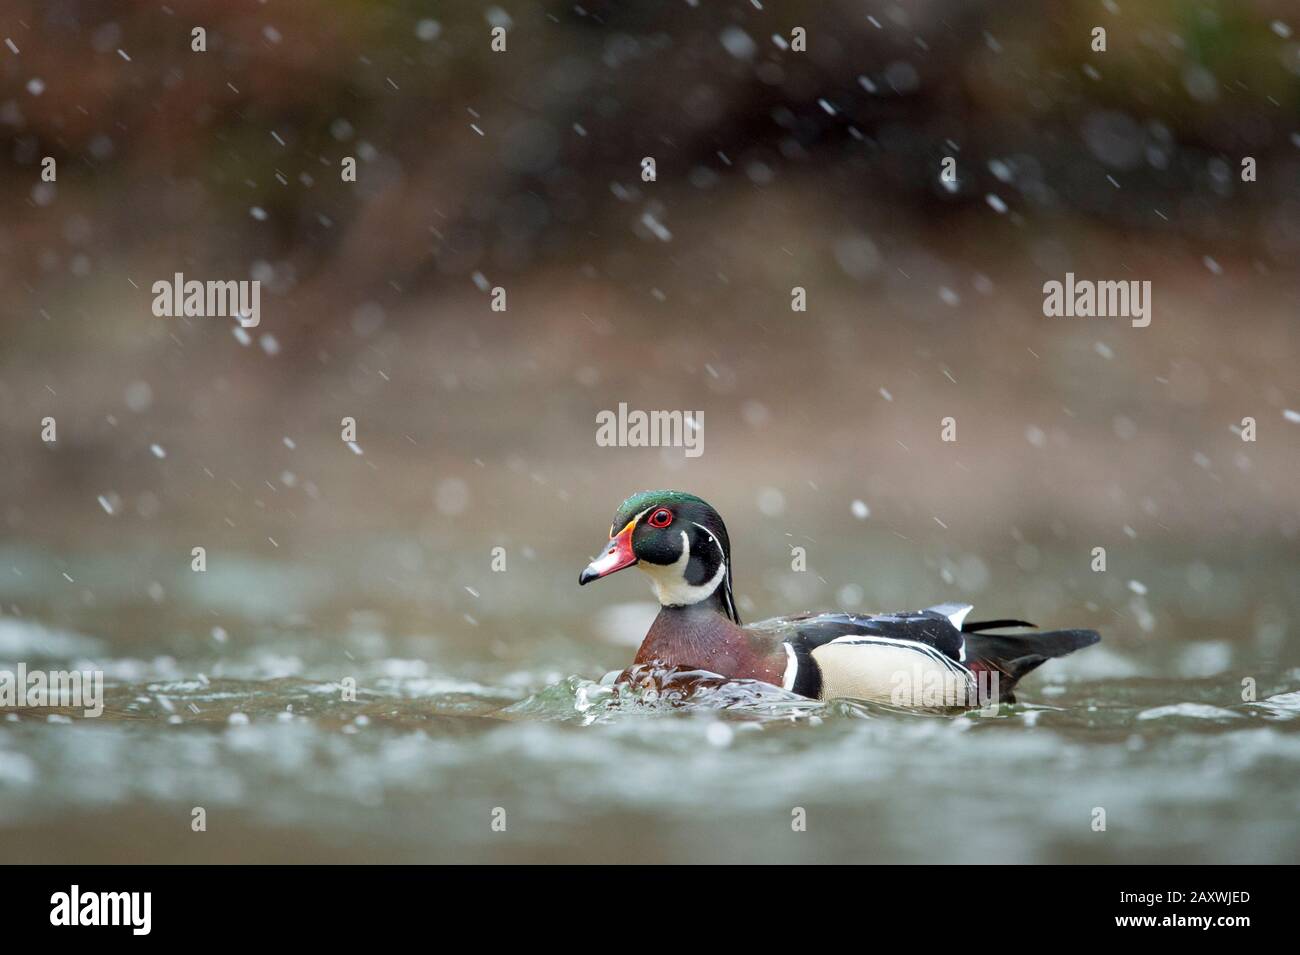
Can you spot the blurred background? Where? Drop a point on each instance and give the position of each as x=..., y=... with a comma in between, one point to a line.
x=476, y=428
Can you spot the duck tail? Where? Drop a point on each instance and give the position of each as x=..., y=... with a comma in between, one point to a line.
x=1015, y=654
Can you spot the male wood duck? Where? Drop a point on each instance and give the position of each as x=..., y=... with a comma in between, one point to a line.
x=916, y=658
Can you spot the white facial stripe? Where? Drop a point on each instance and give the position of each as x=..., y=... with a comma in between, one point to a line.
x=669, y=580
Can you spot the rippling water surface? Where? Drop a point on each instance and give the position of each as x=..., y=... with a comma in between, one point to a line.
x=677, y=767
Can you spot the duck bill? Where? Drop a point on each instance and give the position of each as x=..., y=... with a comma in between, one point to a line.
x=616, y=555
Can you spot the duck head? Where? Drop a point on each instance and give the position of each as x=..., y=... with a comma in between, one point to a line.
x=679, y=541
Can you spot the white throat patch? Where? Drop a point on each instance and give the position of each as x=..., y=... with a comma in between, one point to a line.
x=669, y=580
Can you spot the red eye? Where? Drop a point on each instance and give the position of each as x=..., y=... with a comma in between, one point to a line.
x=661, y=518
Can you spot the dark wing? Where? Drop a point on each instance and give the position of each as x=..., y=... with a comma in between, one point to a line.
x=933, y=628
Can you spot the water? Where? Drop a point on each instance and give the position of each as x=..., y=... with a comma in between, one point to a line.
x=420, y=765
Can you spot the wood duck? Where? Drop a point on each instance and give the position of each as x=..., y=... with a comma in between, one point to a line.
x=932, y=657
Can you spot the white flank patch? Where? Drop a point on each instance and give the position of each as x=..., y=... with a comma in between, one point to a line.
x=868, y=667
